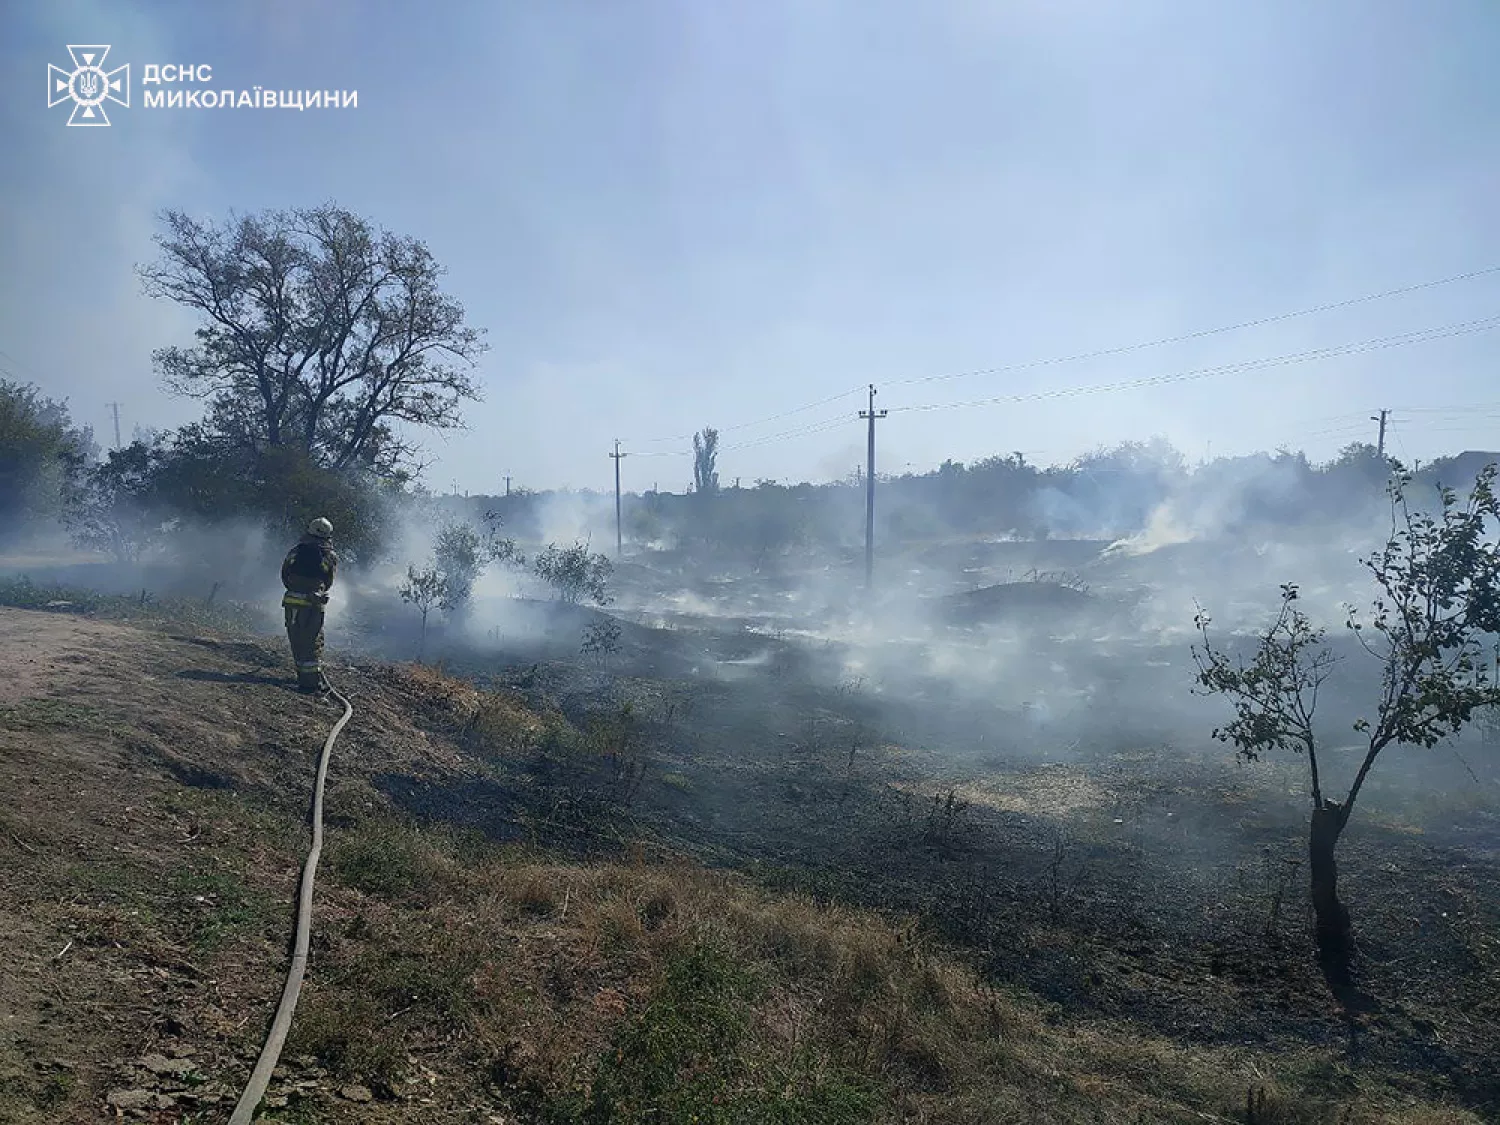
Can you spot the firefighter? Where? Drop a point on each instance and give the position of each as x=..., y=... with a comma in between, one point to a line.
x=307, y=575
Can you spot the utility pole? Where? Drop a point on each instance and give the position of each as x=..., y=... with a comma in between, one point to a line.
x=619, y=533
x=115, y=406
x=1380, y=442
x=872, y=415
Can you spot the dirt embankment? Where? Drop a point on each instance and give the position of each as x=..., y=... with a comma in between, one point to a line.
x=149, y=843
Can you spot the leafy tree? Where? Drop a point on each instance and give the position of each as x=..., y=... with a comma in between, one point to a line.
x=113, y=509
x=41, y=453
x=460, y=556
x=207, y=481
x=1154, y=458
x=1362, y=458
x=496, y=547
x=705, y=462
x=1437, y=601
x=425, y=588
x=574, y=574
x=319, y=333
x=1352, y=480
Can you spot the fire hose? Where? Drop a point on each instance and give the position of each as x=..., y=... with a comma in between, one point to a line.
x=270, y=1053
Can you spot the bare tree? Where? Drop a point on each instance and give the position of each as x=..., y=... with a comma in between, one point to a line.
x=318, y=332
x=1437, y=606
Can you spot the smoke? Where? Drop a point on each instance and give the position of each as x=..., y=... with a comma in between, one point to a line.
x=1165, y=528
x=569, y=517
x=1061, y=630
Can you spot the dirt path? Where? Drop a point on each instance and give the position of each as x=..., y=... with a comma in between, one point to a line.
x=139, y=919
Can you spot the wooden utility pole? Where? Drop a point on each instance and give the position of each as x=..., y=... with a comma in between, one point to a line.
x=619, y=532
x=872, y=415
x=1380, y=441
x=115, y=406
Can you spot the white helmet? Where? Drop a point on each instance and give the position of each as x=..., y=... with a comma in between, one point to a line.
x=320, y=528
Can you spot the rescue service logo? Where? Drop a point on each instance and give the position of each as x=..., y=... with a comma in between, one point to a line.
x=89, y=85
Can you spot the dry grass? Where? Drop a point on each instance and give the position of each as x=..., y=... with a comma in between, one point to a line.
x=572, y=992
x=591, y=992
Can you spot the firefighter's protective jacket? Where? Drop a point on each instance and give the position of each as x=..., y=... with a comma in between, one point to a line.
x=308, y=572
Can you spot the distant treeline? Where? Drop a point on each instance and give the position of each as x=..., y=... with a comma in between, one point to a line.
x=1109, y=494
x=126, y=503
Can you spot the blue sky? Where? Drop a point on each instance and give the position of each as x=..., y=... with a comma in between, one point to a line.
x=676, y=214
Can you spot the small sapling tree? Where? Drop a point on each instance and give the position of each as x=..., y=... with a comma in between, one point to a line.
x=574, y=574
x=601, y=639
x=497, y=548
x=460, y=554
x=425, y=589
x=1437, y=605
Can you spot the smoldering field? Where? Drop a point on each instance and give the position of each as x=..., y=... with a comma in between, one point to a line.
x=1001, y=738
x=986, y=652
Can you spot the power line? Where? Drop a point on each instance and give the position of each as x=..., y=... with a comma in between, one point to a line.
x=1123, y=349
x=1338, y=431
x=1396, y=433
x=1440, y=332
x=802, y=431
x=759, y=421
x=1468, y=409
x=1102, y=353
x=1428, y=421
x=13, y=361
x=766, y=439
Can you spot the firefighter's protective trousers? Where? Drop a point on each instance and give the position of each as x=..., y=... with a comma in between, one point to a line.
x=304, y=629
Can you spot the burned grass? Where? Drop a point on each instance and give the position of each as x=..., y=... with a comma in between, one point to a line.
x=1158, y=886
x=882, y=963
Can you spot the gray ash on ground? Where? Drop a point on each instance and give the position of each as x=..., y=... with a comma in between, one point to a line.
x=1019, y=602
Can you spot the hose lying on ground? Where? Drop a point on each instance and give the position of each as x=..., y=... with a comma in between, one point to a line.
x=270, y=1053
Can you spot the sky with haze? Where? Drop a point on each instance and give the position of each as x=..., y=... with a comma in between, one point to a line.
x=671, y=214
